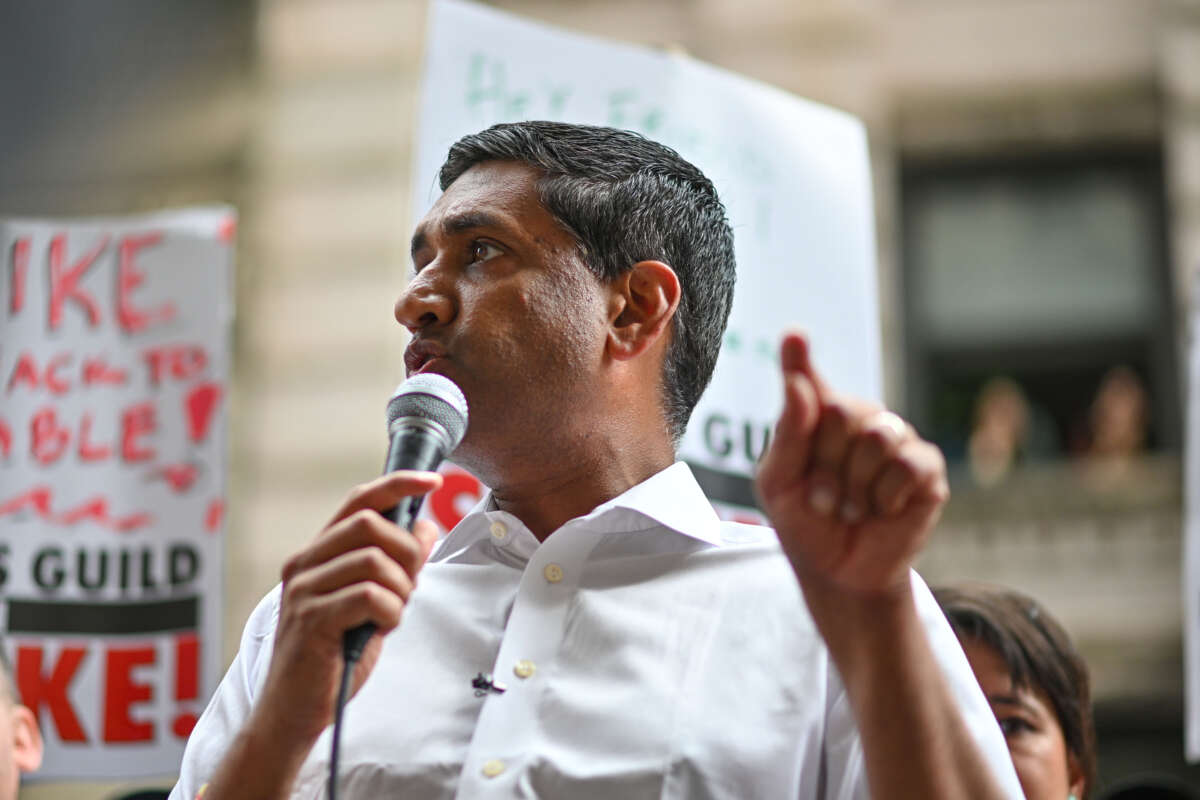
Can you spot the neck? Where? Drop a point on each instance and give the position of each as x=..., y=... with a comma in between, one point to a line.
x=546, y=499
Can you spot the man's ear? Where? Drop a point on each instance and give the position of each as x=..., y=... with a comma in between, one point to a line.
x=641, y=306
x=27, y=739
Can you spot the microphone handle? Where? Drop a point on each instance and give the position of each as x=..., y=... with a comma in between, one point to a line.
x=416, y=448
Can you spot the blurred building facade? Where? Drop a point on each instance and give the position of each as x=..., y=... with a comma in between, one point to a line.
x=1037, y=168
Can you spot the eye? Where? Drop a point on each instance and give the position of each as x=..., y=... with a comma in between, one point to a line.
x=1014, y=726
x=481, y=251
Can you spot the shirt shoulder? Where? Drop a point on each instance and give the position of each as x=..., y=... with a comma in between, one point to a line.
x=231, y=703
x=756, y=573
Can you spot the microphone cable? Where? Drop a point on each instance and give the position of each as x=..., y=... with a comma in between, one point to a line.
x=349, y=661
x=427, y=418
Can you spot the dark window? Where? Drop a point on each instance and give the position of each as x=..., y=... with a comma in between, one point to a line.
x=1038, y=303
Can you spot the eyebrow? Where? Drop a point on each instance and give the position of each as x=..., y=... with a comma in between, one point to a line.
x=1010, y=700
x=454, y=224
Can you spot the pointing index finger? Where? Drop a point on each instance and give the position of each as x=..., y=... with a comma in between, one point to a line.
x=386, y=491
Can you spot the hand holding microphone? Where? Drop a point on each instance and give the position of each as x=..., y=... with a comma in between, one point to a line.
x=427, y=417
x=359, y=572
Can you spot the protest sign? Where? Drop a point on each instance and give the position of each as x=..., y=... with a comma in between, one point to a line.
x=1191, y=544
x=794, y=177
x=114, y=360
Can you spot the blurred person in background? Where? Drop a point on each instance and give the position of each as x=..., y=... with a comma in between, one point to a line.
x=1037, y=683
x=1008, y=430
x=22, y=740
x=1118, y=419
x=1000, y=430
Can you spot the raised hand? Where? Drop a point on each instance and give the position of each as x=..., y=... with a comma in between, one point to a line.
x=851, y=489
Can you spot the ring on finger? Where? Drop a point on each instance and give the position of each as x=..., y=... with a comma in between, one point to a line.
x=889, y=421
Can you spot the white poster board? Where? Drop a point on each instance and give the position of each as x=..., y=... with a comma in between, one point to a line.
x=794, y=177
x=1191, y=545
x=114, y=364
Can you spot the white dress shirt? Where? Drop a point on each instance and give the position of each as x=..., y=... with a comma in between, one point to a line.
x=648, y=650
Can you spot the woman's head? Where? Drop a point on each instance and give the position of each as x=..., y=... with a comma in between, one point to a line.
x=1037, y=685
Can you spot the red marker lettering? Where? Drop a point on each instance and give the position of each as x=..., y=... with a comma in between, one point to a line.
x=97, y=370
x=54, y=383
x=47, y=440
x=20, y=267
x=199, y=405
x=38, y=497
x=64, y=283
x=129, y=277
x=179, y=362
x=95, y=509
x=24, y=372
x=214, y=515
x=137, y=421
x=86, y=450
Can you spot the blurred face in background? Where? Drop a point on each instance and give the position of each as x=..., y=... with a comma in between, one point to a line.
x=1046, y=768
x=20, y=743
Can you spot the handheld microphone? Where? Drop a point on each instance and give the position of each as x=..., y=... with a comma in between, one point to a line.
x=427, y=417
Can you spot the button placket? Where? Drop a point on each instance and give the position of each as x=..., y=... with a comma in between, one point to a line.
x=508, y=723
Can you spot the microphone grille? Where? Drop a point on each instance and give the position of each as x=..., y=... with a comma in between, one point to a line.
x=433, y=397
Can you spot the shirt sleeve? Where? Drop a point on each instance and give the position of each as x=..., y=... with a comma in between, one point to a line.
x=844, y=770
x=231, y=703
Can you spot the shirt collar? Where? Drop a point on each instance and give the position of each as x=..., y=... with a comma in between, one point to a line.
x=670, y=498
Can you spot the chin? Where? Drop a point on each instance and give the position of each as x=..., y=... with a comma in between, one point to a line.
x=489, y=464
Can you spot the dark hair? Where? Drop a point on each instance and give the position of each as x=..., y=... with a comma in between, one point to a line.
x=1039, y=656
x=627, y=199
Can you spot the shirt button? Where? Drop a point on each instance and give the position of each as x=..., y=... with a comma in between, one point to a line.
x=499, y=530
x=524, y=668
x=493, y=768
x=553, y=573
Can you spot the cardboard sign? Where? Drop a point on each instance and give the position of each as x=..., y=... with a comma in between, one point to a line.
x=114, y=362
x=794, y=177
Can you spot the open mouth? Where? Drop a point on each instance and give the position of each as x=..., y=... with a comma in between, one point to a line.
x=423, y=356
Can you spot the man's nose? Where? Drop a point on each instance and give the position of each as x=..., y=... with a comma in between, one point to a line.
x=423, y=303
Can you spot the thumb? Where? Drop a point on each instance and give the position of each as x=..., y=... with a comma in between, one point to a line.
x=795, y=356
x=787, y=458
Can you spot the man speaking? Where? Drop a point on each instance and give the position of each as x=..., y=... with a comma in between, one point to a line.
x=592, y=629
